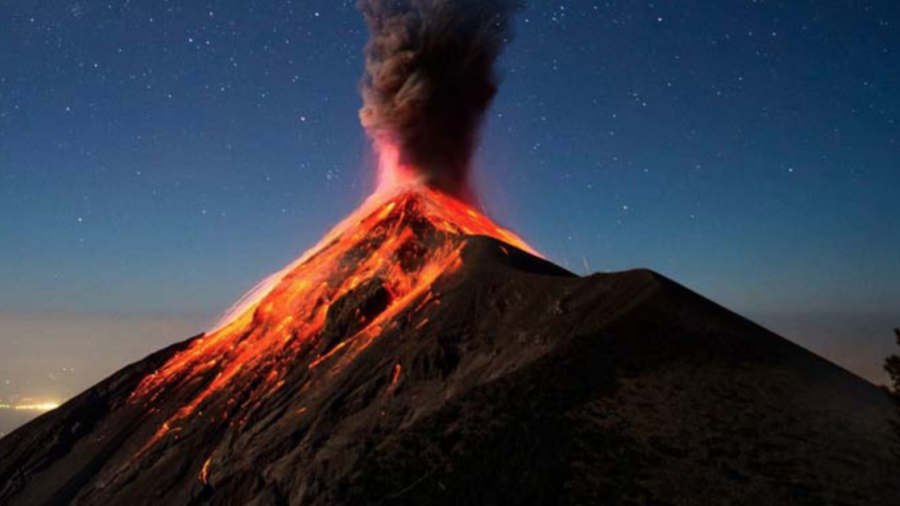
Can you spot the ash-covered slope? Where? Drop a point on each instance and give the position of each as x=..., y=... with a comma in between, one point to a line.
x=518, y=383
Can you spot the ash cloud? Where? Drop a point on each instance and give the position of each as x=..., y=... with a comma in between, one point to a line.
x=429, y=79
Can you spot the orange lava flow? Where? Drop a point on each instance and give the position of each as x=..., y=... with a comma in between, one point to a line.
x=406, y=238
x=395, y=378
x=204, y=472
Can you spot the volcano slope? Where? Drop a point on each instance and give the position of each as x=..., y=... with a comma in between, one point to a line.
x=508, y=381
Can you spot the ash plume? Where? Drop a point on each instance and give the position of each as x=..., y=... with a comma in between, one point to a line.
x=429, y=79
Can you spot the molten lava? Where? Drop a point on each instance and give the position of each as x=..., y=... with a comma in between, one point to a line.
x=392, y=249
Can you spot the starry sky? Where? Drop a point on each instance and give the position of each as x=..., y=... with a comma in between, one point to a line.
x=157, y=158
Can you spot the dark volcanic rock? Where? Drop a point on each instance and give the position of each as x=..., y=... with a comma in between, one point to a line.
x=350, y=313
x=525, y=385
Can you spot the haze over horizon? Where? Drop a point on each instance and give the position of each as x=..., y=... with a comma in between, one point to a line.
x=57, y=357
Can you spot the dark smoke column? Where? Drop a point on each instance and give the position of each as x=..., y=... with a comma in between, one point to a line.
x=428, y=81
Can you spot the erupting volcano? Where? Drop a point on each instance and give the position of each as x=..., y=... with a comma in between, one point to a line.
x=423, y=354
x=377, y=265
x=429, y=79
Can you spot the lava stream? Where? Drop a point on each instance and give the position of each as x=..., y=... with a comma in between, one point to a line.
x=405, y=239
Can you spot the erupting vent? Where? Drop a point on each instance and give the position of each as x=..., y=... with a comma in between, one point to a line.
x=386, y=256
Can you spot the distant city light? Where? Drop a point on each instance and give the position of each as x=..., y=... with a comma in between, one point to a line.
x=41, y=406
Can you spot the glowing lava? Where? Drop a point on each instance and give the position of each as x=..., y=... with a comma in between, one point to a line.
x=403, y=238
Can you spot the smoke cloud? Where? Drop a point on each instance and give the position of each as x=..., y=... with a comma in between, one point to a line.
x=429, y=79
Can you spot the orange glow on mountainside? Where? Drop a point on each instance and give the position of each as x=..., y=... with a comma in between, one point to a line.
x=405, y=237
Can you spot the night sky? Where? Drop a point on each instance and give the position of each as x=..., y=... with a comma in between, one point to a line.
x=158, y=158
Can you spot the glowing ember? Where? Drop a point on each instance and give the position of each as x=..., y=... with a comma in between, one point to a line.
x=204, y=472
x=404, y=237
x=395, y=378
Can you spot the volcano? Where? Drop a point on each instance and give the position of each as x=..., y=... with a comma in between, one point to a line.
x=421, y=354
